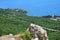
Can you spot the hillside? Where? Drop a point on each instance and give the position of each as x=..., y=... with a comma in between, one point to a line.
x=16, y=20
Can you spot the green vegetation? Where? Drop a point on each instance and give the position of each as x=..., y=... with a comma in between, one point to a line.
x=16, y=20
x=26, y=35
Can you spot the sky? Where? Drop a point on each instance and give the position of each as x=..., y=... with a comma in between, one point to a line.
x=34, y=7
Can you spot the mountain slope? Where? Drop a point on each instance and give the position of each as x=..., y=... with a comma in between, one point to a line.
x=16, y=21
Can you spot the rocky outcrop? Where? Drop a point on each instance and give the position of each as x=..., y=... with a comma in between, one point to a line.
x=38, y=32
x=11, y=37
x=7, y=37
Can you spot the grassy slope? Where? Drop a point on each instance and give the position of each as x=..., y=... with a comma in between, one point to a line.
x=17, y=24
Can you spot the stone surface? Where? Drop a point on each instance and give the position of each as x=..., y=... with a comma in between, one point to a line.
x=38, y=32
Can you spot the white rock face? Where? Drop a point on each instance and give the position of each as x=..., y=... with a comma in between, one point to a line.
x=5, y=38
x=32, y=24
x=37, y=30
x=34, y=39
x=12, y=39
x=10, y=34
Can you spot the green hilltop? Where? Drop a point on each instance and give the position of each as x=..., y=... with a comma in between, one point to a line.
x=16, y=20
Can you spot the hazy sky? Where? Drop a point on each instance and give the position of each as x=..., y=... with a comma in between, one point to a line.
x=34, y=7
